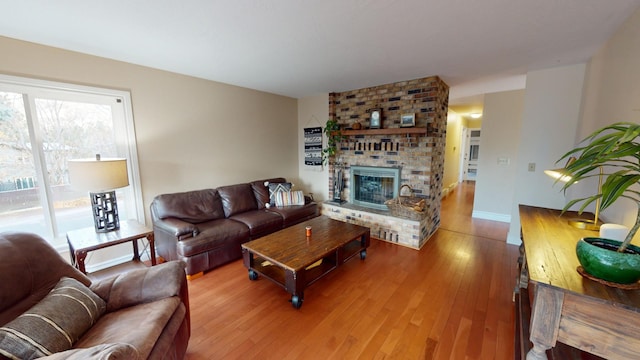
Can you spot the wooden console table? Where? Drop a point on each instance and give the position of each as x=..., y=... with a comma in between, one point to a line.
x=566, y=307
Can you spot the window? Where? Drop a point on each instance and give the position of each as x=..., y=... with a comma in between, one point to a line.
x=42, y=125
x=474, y=151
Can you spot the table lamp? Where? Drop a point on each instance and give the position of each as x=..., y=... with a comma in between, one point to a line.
x=563, y=175
x=100, y=177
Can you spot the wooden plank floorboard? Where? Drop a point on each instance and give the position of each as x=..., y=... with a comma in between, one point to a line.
x=450, y=300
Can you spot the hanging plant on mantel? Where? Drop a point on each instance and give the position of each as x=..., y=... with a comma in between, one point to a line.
x=334, y=137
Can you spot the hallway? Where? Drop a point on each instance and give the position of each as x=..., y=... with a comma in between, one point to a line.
x=455, y=215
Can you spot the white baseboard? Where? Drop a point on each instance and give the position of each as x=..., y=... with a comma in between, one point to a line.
x=491, y=216
x=447, y=190
x=514, y=239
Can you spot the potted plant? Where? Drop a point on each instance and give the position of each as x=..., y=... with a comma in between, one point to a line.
x=612, y=152
x=334, y=136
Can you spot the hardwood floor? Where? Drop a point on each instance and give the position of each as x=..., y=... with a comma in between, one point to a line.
x=450, y=300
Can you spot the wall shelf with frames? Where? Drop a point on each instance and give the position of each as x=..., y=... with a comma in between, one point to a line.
x=391, y=131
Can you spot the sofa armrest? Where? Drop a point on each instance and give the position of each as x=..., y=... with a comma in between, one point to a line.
x=142, y=285
x=98, y=352
x=178, y=228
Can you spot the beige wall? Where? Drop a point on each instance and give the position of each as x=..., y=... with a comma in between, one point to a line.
x=474, y=123
x=191, y=133
x=562, y=106
x=313, y=111
x=498, y=157
x=550, y=118
x=612, y=93
x=452, y=151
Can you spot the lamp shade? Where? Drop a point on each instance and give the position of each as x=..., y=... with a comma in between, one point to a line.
x=558, y=174
x=561, y=174
x=98, y=175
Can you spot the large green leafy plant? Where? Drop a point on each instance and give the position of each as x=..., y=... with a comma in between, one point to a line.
x=334, y=137
x=615, y=149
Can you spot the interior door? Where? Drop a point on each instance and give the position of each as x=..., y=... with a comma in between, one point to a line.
x=464, y=155
x=473, y=152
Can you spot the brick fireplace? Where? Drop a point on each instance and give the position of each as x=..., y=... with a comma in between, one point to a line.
x=418, y=152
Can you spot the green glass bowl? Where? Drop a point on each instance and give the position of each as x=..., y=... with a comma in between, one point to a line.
x=598, y=257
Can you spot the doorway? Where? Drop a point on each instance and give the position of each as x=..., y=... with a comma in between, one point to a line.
x=471, y=153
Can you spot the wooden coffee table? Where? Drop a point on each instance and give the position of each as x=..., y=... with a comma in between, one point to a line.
x=294, y=261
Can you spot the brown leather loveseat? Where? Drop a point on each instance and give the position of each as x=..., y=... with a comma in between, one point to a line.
x=205, y=228
x=51, y=310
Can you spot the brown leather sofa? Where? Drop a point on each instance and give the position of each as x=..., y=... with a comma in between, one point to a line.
x=205, y=228
x=145, y=312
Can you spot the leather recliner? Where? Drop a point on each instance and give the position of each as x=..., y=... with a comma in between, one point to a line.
x=146, y=310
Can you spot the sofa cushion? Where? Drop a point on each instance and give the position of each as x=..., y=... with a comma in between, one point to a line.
x=295, y=214
x=54, y=324
x=237, y=199
x=261, y=191
x=192, y=206
x=260, y=222
x=139, y=325
x=213, y=234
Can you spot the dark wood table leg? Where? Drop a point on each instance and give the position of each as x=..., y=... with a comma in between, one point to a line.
x=294, y=284
x=152, y=248
x=80, y=256
x=136, y=252
x=247, y=258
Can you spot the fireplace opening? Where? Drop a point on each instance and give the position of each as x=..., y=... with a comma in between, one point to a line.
x=372, y=186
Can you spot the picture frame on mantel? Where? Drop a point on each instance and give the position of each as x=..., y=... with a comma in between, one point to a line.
x=408, y=120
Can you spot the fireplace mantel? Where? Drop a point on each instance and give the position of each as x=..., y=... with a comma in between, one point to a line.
x=389, y=131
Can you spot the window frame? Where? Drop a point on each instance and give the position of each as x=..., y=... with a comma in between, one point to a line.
x=125, y=126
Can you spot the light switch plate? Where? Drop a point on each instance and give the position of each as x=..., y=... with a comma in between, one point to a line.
x=504, y=161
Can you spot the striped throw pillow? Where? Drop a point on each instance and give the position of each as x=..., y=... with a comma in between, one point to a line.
x=54, y=324
x=288, y=198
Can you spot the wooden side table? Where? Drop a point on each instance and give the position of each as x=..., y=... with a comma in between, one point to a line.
x=82, y=241
x=565, y=307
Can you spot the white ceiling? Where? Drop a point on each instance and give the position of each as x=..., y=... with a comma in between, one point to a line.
x=300, y=48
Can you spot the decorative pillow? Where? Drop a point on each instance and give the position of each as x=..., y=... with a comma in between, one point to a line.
x=275, y=188
x=288, y=198
x=53, y=324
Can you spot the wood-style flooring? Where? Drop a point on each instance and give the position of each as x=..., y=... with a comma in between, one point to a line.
x=450, y=300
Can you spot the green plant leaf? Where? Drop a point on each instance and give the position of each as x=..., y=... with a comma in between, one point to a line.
x=616, y=150
x=615, y=185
